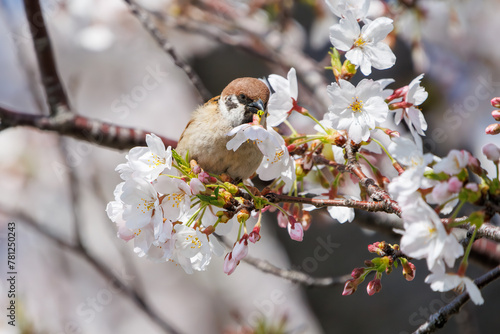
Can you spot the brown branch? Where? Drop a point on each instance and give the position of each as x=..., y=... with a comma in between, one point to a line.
x=83, y=128
x=345, y=202
x=486, y=230
x=52, y=84
x=439, y=319
x=295, y=276
x=375, y=192
x=162, y=41
x=131, y=293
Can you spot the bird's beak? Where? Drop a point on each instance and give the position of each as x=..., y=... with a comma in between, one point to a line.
x=257, y=105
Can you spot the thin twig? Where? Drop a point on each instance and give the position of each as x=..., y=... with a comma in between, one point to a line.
x=439, y=319
x=137, y=298
x=162, y=41
x=56, y=96
x=295, y=276
x=83, y=128
x=290, y=275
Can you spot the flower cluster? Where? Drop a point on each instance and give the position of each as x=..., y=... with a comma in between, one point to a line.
x=171, y=208
x=154, y=207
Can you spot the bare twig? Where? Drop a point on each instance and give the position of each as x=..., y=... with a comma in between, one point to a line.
x=290, y=275
x=79, y=127
x=439, y=319
x=102, y=269
x=162, y=41
x=295, y=276
x=54, y=90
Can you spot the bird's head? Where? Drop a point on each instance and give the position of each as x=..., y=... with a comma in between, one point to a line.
x=243, y=98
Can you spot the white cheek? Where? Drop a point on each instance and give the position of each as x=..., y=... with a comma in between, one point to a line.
x=233, y=116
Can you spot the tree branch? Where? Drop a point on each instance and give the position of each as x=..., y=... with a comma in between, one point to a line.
x=375, y=192
x=345, y=202
x=439, y=319
x=54, y=91
x=295, y=276
x=162, y=41
x=290, y=275
x=137, y=298
x=83, y=128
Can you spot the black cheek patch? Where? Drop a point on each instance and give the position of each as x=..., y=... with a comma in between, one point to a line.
x=230, y=104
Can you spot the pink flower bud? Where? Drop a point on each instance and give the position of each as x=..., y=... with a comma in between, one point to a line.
x=196, y=169
x=454, y=184
x=229, y=264
x=203, y=177
x=349, y=287
x=373, y=248
x=254, y=236
x=295, y=230
x=495, y=102
x=400, y=92
x=493, y=129
x=374, y=286
x=240, y=249
x=492, y=152
x=472, y=187
x=357, y=272
x=496, y=115
x=282, y=220
x=291, y=147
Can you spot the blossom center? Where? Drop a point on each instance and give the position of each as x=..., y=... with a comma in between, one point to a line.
x=156, y=161
x=277, y=156
x=146, y=205
x=176, y=199
x=194, y=241
x=360, y=42
x=357, y=105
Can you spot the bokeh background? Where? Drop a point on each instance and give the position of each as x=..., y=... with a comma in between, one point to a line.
x=114, y=71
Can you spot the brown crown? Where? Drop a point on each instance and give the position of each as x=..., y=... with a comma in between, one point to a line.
x=251, y=87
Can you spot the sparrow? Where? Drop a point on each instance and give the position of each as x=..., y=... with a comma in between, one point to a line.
x=205, y=136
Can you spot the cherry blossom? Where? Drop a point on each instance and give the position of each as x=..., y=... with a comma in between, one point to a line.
x=454, y=162
x=356, y=109
x=364, y=46
x=284, y=99
x=176, y=199
x=426, y=237
x=265, y=139
x=148, y=162
x=295, y=230
x=492, y=152
x=141, y=204
x=191, y=249
x=415, y=95
x=441, y=281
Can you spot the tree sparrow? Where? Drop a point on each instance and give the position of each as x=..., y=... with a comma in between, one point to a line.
x=205, y=136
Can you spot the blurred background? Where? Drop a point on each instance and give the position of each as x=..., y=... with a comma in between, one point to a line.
x=114, y=71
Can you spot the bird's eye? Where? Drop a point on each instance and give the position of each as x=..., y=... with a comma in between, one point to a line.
x=243, y=96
